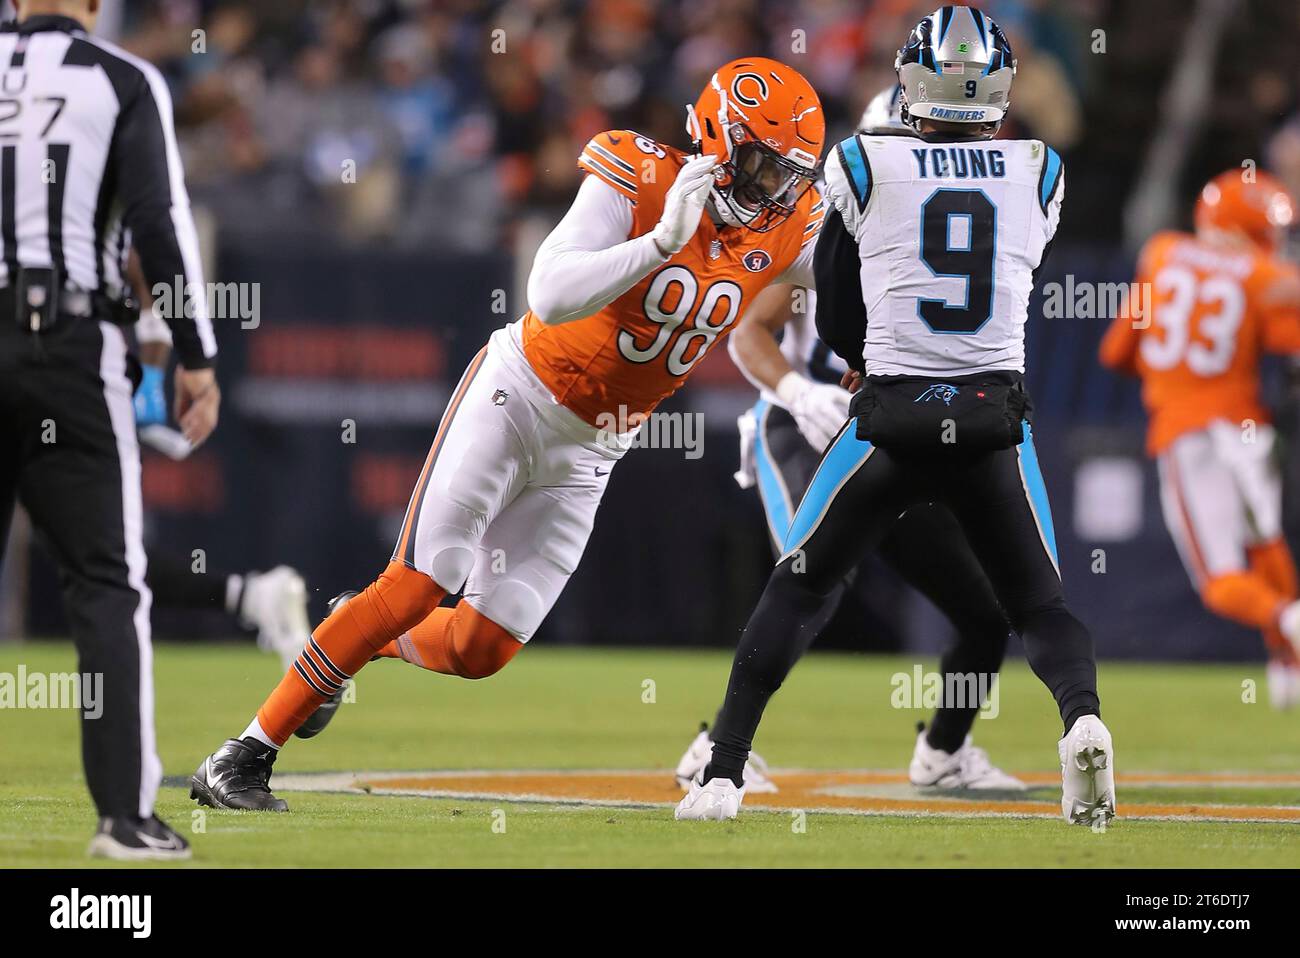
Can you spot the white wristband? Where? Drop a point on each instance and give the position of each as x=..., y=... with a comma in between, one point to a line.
x=790, y=387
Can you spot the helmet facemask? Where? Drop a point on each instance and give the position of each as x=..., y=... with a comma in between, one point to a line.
x=760, y=188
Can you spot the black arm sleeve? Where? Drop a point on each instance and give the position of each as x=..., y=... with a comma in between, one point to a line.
x=841, y=314
x=156, y=209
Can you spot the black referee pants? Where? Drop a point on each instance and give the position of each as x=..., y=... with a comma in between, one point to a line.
x=68, y=452
x=1000, y=502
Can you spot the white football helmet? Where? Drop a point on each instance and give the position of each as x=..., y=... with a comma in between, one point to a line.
x=884, y=113
x=956, y=67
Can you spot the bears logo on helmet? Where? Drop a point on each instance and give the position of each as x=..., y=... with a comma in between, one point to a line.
x=764, y=123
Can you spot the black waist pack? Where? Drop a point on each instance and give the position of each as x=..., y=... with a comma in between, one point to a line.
x=35, y=302
x=968, y=414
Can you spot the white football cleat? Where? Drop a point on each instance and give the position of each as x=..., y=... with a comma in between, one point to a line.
x=275, y=603
x=717, y=801
x=1283, y=684
x=700, y=751
x=757, y=778
x=967, y=768
x=1087, y=774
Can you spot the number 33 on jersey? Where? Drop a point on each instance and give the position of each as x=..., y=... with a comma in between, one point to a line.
x=624, y=359
x=1213, y=313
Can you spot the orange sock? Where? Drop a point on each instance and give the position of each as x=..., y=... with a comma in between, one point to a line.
x=456, y=641
x=1243, y=597
x=344, y=642
x=1273, y=561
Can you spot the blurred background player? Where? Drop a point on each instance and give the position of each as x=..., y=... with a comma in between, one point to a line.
x=274, y=603
x=801, y=407
x=649, y=269
x=1219, y=301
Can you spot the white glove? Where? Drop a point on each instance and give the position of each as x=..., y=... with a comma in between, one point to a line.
x=684, y=204
x=819, y=409
x=747, y=475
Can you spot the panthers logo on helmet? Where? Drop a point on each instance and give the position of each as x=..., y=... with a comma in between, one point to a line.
x=956, y=66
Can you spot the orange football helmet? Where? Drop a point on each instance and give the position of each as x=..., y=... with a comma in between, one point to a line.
x=764, y=123
x=1262, y=210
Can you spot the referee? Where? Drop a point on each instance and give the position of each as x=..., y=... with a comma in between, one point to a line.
x=89, y=169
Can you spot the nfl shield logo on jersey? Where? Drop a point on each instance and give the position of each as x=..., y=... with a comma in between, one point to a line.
x=757, y=261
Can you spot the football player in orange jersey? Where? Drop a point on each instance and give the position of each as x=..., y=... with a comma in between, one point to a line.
x=1221, y=299
x=652, y=265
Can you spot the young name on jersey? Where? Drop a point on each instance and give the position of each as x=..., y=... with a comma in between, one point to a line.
x=949, y=235
x=959, y=162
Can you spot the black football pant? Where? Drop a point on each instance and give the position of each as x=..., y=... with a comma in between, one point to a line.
x=925, y=547
x=1000, y=502
x=68, y=452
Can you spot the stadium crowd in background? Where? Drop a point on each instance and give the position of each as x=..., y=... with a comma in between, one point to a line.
x=462, y=129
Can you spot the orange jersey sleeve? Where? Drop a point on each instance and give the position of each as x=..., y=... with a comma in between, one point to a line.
x=1278, y=296
x=619, y=363
x=607, y=156
x=1119, y=347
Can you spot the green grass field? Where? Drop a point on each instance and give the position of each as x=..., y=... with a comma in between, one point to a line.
x=582, y=709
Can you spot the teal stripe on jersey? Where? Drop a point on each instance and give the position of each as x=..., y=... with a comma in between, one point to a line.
x=1051, y=174
x=857, y=170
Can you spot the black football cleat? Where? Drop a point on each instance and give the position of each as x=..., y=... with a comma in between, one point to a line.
x=324, y=714
x=137, y=839
x=237, y=776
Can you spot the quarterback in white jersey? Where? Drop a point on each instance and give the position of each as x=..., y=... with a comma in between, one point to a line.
x=800, y=409
x=951, y=233
x=924, y=268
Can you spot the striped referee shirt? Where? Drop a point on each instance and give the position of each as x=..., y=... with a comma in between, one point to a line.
x=89, y=168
